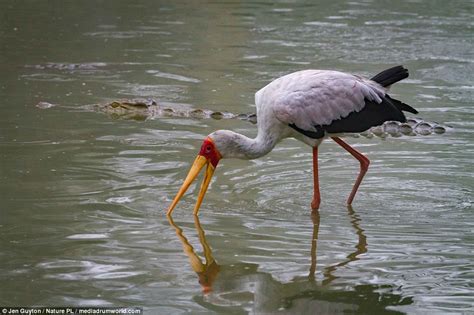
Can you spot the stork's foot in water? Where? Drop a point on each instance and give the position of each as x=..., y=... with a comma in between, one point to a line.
x=315, y=204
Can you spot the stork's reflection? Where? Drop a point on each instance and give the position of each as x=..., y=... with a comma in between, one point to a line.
x=245, y=286
x=361, y=246
x=207, y=271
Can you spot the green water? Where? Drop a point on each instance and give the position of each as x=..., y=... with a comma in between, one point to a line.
x=83, y=196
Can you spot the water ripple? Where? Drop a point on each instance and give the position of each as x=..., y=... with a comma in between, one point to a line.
x=84, y=197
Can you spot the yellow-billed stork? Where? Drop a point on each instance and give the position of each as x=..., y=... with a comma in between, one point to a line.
x=309, y=105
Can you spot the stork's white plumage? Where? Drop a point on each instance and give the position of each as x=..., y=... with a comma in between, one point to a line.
x=310, y=106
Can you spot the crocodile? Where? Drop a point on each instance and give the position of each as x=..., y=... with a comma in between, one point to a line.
x=143, y=109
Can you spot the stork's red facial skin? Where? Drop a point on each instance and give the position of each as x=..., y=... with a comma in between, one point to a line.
x=209, y=151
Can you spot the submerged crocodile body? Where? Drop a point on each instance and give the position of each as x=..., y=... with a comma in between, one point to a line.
x=140, y=109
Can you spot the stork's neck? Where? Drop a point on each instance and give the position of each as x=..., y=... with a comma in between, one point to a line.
x=235, y=145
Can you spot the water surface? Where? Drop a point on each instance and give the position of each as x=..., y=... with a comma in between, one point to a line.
x=83, y=196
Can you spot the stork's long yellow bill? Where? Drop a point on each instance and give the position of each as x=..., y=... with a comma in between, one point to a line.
x=198, y=164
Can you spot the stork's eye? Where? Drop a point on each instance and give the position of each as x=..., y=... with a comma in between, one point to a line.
x=208, y=149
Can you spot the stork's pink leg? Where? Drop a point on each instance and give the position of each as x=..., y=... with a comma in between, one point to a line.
x=316, y=197
x=364, y=165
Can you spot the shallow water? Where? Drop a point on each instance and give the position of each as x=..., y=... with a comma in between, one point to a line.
x=83, y=196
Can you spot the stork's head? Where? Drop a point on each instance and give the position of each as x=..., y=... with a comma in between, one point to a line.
x=208, y=156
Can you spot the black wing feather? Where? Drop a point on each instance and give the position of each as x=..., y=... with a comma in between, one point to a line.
x=373, y=114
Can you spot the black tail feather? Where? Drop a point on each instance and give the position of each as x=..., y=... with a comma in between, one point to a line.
x=401, y=106
x=391, y=76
